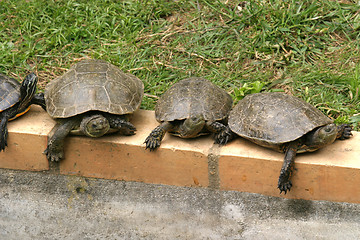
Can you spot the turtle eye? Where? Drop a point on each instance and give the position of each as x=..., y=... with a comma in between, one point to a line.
x=328, y=129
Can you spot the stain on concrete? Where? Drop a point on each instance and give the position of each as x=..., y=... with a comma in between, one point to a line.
x=213, y=167
x=78, y=188
x=299, y=208
x=54, y=167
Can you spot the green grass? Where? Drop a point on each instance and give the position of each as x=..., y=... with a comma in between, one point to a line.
x=310, y=49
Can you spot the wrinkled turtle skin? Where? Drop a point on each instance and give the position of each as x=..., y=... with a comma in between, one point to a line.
x=15, y=100
x=190, y=108
x=286, y=124
x=92, y=98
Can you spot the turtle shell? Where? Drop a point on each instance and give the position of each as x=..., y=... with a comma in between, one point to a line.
x=93, y=85
x=193, y=97
x=271, y=119
x=9, y=92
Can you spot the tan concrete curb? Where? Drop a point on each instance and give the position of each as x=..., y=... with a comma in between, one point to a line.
x=332, y=173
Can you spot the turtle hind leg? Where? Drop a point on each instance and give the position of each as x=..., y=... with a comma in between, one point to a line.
x=223, y=134
x=55, y=147
x=122, y=123
x=284, y=182
x=344, y=131
x=154, y=139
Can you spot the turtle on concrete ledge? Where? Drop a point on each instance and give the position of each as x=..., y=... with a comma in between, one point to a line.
x=15, y=100
x=190, y=108
x=93, y=98
x=284, y=123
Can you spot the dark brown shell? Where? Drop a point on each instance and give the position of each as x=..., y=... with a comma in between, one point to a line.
x=93, y=85
x=274, y=118
x=9, y=92
x=193, y=97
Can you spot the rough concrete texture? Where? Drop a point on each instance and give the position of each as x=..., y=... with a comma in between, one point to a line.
x=44, y=205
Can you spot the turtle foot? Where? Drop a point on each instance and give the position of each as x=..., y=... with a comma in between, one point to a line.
x=53, y=155
x=3, y=141
x=284, y=186
x=118, y=122
x=344, y=131
x=152, y=142
x=2, y=146
x=128, y=129
x=224, y=136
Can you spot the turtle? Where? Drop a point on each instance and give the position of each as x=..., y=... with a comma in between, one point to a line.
x=190, y=108
x=15, y=100
x=284, y=123
x=92, y=98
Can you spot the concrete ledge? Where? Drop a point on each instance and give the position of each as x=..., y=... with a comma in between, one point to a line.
x=332, y=173
x=26, y=141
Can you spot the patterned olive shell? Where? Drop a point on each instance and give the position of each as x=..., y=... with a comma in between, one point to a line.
x=9, y=92
x=274, y=118
x=93, y=85
x=193, y=97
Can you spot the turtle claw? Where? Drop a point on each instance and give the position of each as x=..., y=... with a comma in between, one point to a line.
x=53, y=155
x=128, y=132
x=125, y=127
x=344, y=131
x=284, y=186
x=129, y=129
x=152, y=142
x=224, y=136
x=2, y=146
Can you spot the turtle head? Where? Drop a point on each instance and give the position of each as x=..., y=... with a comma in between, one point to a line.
x=321, y=136
x=192, y=126
x=27, y=90
x=94, y=125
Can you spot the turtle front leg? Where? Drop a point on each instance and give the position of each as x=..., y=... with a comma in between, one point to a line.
x=284, y=183
x=122, y=123
x=4, y=117
x=4, y=133
x=55, y=148
x=344, y=131
x=153, y=141
x=223, y=134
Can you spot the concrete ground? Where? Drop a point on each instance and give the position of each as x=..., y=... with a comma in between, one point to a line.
x=43, y=205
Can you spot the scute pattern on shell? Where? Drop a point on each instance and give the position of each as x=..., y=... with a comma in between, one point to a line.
x=93, y=85
x=193, y=97
x=274, y=118
x=9, y=92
